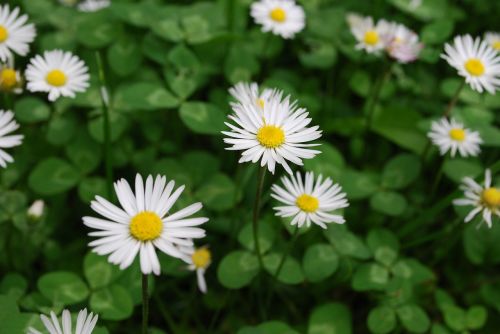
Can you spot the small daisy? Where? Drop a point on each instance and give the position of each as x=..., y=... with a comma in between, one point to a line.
x=143, y=223
x=199, y=260
x=59, y=73
x=93, y=5
x=493, y=39
x=84, y=324
x=485, y=199
x=273, y=134
x=452, y=136
x=15, y=34
x=249, y=93
x=36, y=209
x=476, y=61
x=10, y=79
x=8, y=125
x=309, y=200
x=403, y=44
x=282, y=17
x=371, y=37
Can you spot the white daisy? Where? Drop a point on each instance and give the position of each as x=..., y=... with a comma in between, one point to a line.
x=493, y=39
x=10, y=79
x=36, y=209
x=8, y=125
x=273, y=134
x=249, y=93
x=371, y=37
x=84, y=324
x=199, y=260
x=59, y=73
x=403, y=44
x=143, y=223
x=282, y=17
x=476, y=61
x=485, y=199
x=309, y=200
x=93, y=5
x=450, y=135
x=15, y=34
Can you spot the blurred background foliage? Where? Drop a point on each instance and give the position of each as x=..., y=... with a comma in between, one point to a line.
x=404, y=261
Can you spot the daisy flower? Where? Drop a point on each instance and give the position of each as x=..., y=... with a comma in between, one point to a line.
x=403, y=44
x=35, y=211
x=485, y=199
x=143, y=222
x=84, y=323
x=273, y=134
x=249, y=93
x=93, y=5
x=8, y=125
x=282, y=17
x=309, y=200
x=59, y=73
x=10, y=79
x=476, y=61
x=15, y=34
x=450, y=135
x=371, y=37
x=199, y=260
x=493, y=39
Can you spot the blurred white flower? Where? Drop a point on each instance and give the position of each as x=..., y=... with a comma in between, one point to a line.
x=15, y=34
x=8, y=125
x=414, y=4
x=476, y=61
x=10, y=79
x=36, y=209
x=249, y=93
x=493, y=39
x=198, y=259
x=450, y=135
x=93, y=5
x=84, y=324
x=484, y=199
x=403, y=44
x=281, y=17
x=373, y=38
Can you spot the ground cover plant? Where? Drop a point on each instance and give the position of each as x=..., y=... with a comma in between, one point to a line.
x=249, y=166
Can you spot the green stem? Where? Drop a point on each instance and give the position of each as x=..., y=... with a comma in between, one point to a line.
x=373, y=101
x=453, y=101
x=437, y=179
x=145, y=304
x=230, y=15
x=106, y=125
x=256, y=212
x=166, y=315
x=8, y=101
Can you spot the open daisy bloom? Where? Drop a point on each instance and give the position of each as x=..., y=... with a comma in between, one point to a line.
x=273, y=134
x=493, y=39
x=84, y=323
x=59, y=73
x=484, y=199
x=450, y=135
x=371, y=37
x=15, y=34
x=282, y=17
x=93, y=5
x=143, y=223
x=199, y=259
x=310, y=200
x=10, y=79
x=249, y=93
x=476, y=61
x=403, y=44
x=8, y=125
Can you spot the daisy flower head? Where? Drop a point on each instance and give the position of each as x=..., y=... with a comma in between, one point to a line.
x=281, y=17
x=198, y=259
x=493, y=39
x=144, y=222
x=476, y=61
x=274, y=134
x=57, y=72
x=250, y=93
x=371, y=37
x=15, y=33
x=8, y=125
x=84, y=323
x=403, y=44
x=309, y=200
x=485, y=199
x=450, y=135
x=93, y=5
x=10, y=79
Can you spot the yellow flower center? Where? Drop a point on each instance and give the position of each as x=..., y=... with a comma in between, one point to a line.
x=270, y=136
x=307, y=203
x=491, y=197
x=56, y=78
x=201, y=257
x=146, y=226
x=278, y=15
x=8, y=79
x=4, y=34
x=261, y=103
x=474, y=66
x=371, y=37
x=457, y=134
x=496, y=45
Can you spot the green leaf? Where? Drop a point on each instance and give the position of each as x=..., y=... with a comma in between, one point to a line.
x=401, y=171
x=389, y=203
x=331, y=318
x=184, y=75
x=329, y=163
x=266, y=236
x=360, y=83
x=357, y=185
x=117, y=123
x=455, y=318
x=370, y=276
x=96, y=30
x=457, y=168
x=475, y=317
x=237, y=269
x=62, y=287
x=12, y=320
x=61, y=129
x=167, y=28
x=84, y=152
x=482, y=245
x=98, y=271
x=382, y=320
x=413, y=271
x=124, y=56
x=218, y=193
x=275, y=327
x=414, y=318
x=290, y=273
x=384, y=245
x=13, y=284
x=240, y=65
x=90, y=187
x=112, y=303
x=320, y=262
x=144, y=96
x=320, y=54
x=346, y=242
x=203, y=117
x=437, y=32
x=31, y=110
x=53, y=176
